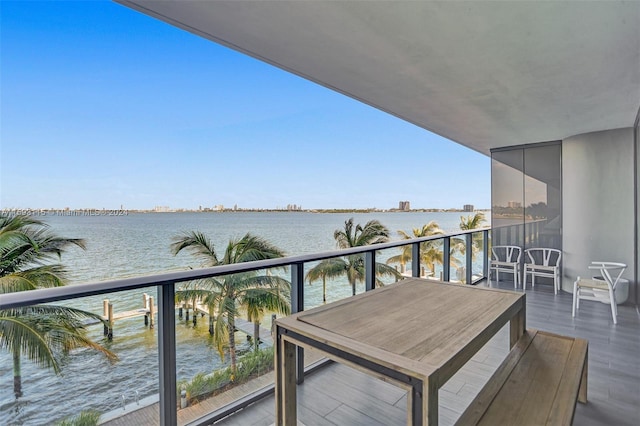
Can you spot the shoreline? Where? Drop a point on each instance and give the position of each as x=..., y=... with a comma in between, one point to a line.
x=125, y=212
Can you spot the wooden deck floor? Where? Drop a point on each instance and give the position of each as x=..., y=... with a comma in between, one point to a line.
x=339, y=395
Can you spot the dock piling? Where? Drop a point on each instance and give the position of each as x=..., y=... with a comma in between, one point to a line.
x=152, y=311
x=110, y=320
x=145, y=305
x=148, y=311
x=105, y=314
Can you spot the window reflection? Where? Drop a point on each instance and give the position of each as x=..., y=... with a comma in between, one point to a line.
x=526, y=188
x=507, y=197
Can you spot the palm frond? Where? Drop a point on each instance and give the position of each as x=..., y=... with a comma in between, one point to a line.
x=15, y=282
x=220, y=334
x=197, y=244
x=44, y=276
x=257, y=301
x=373, y=232
x=62, y=327
x=328, y=268
x=191, y=294
x=21, y=334
x=25, y=242
x=344, y=238
x=251, y=248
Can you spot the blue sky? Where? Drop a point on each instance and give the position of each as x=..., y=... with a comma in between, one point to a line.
x=102, y=106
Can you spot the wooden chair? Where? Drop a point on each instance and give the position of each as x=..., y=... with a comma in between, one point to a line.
x=610, y=273
x=542, y=262
x=506, y=259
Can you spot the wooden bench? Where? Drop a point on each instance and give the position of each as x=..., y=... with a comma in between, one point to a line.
x=537, y=384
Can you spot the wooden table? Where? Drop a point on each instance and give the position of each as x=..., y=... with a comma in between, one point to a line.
x=416, y=333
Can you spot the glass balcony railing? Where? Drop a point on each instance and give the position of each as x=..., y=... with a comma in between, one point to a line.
x=164, y=329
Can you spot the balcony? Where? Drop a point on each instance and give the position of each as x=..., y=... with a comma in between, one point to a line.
x=335, y=394
x=339, y=395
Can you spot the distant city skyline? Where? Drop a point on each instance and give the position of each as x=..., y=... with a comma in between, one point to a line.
x=97, y=211
x=103, y=106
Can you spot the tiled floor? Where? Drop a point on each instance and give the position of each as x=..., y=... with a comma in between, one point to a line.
x=339, y=395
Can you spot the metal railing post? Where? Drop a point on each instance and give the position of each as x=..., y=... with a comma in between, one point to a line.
x=446, y=258
x=167, y=354
x=415, y=259
x=297, y=305
x=370, y=270
x=468, y=238
x=485, y=250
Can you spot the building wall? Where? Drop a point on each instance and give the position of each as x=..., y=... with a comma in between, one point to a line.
x=637, y=149
x=598, y=202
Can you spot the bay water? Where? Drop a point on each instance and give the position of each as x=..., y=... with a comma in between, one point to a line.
x=137, y=244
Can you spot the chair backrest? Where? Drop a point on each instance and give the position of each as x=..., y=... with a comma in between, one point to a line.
x=506, y=253
x=611, y=271
x=544, y=256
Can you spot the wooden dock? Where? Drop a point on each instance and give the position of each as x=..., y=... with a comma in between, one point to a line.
x=241, y=324
x=149, y=311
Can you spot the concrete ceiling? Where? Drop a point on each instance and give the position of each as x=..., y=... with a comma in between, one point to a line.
x=483, y=74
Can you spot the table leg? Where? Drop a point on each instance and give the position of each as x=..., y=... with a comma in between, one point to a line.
x=423, y=404
x=286, y=400
x=518, y=325
x=277, y=367
x=582, y=391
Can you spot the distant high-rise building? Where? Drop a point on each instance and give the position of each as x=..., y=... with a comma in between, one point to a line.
x=468, y=208
x=514, y=204
x=404, y=206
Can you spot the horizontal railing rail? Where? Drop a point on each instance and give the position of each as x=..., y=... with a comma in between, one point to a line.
x=18, y=299
x=166, y=282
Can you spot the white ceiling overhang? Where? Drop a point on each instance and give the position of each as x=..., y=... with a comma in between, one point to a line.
x=483, y=74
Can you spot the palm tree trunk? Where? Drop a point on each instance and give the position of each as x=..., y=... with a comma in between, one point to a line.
x=324, y=289
x=211, y=320
x=353, y=288
x=195, y=313
x=256, y=334
x=17, y=373
x=232, y=342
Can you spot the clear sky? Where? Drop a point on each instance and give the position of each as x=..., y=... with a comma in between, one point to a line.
x=102, y=106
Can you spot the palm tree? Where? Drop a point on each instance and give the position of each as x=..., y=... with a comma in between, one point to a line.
x=26, y=244
x=468, y=223
x=472, y=221
x=373, y=232
x=330, y=268
x=430, y=254
x=257, y=303
x=44, y=333
x=226, y=295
